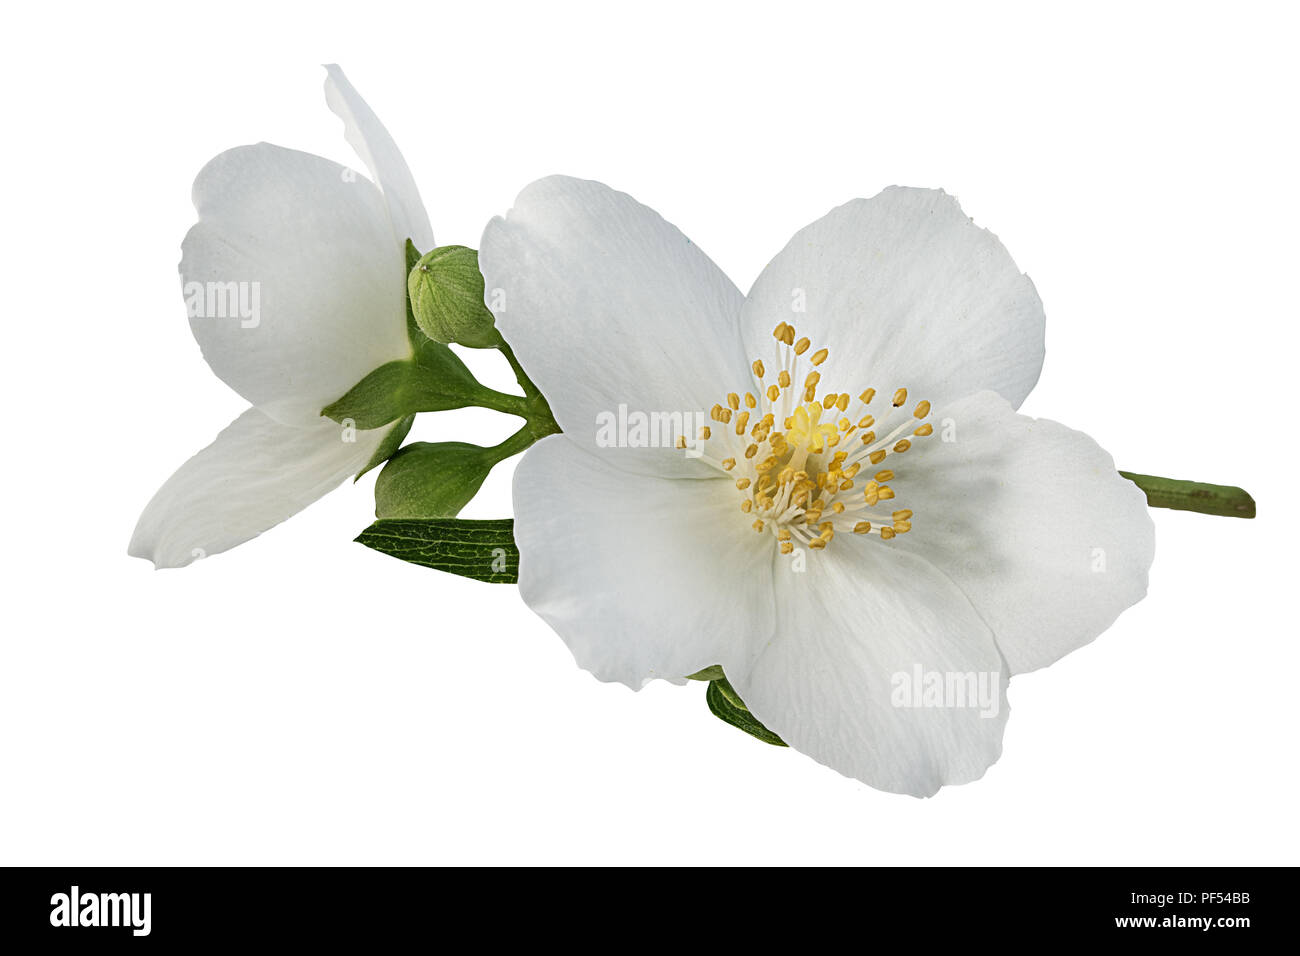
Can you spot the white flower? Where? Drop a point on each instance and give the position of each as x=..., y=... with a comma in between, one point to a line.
x=957, y=541
x=295, y=278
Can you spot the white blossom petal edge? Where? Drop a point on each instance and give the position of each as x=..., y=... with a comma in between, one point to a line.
x=294, y=280
x=863, y=532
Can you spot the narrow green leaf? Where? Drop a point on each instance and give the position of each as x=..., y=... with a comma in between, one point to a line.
x=432, y=479
x=392, y=441
x=713, y=672
x=445, y=289
x=483, y=550
x=1226, y=501
x=726, y=705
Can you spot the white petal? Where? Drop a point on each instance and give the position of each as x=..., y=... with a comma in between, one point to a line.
x=605, y=304
x=642, y=577
x=860, y=616
x=905, y=291
x=1032, y=521
x=322, y=282
x=254, y=475
x=377, y=150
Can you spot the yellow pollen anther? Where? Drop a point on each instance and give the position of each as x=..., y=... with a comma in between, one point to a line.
x=902, y=527
x=747, y=505
x=724, y=416
x=900, y=397
x=716, y=413
x=758, y=368
x=809, y=394
x=853, y=469
x=862, y=527
x=681, y=441
x=922, y=410
x=886, y=492
x=812, y=380
x=773, y=393
x=751, y=451
x=820, y=356
x=783, y=534
x=838, y=507
x=742, y=483
x=742, y=422
x=844, y=424
x=787, y=547
x=788, y=338
x=867, y=396
x=802, y=346
x=705, y=433
x=733, y=400
x=902, y=445
x=750, y=400
x=778, y=333
x=902, y=515
x=842, y=403
x=868, y=438
x=817, y=544
x=783, y=379
x=867, y=421
x=885, y=475
x=886, y=533
x=728, y=464
x=828, y=402
x=926, y=429
x=876, y=457
x=758, y=524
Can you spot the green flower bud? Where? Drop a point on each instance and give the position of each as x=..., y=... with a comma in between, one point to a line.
x=447, y=299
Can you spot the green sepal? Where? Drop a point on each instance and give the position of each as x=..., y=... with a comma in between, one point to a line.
x=484, y=550
x=445, y=289
x=432, y=480
x=392, y=441
x=726, y=705
x=433, y=381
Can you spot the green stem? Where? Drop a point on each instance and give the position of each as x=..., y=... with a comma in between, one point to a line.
x=514, y=444
x=521, y=377
x=485, y=397
x=1224, y=500
x=536, y=409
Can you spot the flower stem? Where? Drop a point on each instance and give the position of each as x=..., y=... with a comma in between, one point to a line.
x=1224, y=500
x=541, y=422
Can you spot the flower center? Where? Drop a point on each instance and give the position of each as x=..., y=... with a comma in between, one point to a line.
x=806, y=468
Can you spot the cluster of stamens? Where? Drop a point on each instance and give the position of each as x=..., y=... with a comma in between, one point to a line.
x=806, y=467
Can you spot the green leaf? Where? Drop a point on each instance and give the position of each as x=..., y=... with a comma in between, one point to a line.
x=392, y=441
x=1226, y=501
x=432, y=480
x=713, y=672
x=726, y=705
x=483, y=550
x=433, y=381
x=446, y=294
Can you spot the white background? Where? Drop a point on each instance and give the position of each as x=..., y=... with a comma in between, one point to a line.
x=304, y=700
